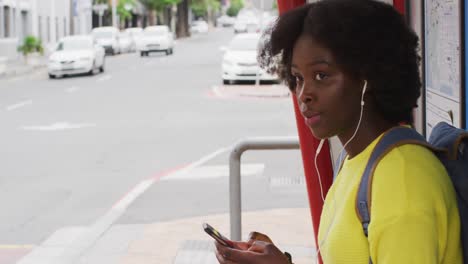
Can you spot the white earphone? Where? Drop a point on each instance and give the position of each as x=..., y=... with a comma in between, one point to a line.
x=317, y=152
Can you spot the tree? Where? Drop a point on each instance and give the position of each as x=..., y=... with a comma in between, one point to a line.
x=205, y=8
x=182, y=19
x=236, y=6
x=124, y=7
x=160, y=5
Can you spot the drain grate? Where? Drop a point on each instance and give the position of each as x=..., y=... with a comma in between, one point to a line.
x=287, y=181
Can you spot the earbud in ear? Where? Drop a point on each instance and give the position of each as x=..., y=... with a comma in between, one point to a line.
x=364, y=88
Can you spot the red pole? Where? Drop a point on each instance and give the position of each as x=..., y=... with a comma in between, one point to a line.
x=308, y=146
x=400, y=5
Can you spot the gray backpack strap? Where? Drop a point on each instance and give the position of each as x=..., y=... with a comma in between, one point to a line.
x=393, y=138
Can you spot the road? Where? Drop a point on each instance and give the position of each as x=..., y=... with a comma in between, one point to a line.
x=72, y=148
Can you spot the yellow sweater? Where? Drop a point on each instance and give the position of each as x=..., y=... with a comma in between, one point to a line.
x=414, y=215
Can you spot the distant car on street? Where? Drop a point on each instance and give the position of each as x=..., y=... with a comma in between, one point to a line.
x=199, y=26
x=107, y=37
x=240, y=60
x=156, y=39
x=225, y=21
x=125, y=42
x=76, y=55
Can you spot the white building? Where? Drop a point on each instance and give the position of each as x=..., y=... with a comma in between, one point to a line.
x=47, y=19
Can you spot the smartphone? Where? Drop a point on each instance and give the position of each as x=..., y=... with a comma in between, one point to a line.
x=217, y=236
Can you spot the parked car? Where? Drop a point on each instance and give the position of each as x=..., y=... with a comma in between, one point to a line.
x=225, y=21
x=246, y=25
x=240, y=60
x=108, y=37
x=199, y=26
x=76, y=55
x=156, y=39
x=125, y=42
x=134, y=33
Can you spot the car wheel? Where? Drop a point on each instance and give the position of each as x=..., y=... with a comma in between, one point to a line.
x=91, y=72
x=51, y=76
x=168, y=51
x=172, y=50
x=101, y=69
x=142, y=53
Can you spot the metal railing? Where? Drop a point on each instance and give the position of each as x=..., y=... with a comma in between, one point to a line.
x=235, y=203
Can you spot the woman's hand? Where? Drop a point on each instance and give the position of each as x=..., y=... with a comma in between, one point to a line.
x=258, y=252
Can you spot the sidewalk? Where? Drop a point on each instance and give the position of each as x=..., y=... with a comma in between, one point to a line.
x=183, y=241
x=11, y=68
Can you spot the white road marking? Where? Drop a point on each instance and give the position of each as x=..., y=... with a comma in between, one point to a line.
x=18, y=105
x=210, y=172
x=58, y=126
x=68, y=245
x=132, y=195
x=104, y=78
x=144, y=185
x=72, y=89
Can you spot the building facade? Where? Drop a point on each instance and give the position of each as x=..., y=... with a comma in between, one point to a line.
x=49, y=20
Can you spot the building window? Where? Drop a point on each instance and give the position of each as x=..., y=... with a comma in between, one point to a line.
x=39, y=22
x=57, y=36
x=48, y=29
x=7, y=14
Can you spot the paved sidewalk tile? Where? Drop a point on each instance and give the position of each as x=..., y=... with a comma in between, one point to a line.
x=161, y=242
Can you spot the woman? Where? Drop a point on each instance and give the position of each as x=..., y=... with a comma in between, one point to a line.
x=354, y=70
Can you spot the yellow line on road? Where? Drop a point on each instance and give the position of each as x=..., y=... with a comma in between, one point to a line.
x=16, y=246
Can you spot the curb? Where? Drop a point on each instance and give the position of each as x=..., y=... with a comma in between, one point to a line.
x=20, y=71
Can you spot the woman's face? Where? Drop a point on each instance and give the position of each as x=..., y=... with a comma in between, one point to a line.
x=328, y=98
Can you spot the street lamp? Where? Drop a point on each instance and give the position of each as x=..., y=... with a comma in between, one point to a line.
x=100, y=9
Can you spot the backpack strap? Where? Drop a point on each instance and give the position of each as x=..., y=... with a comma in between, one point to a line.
x=391, y=139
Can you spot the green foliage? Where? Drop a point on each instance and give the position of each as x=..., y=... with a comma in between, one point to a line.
x=235, y=7
x=200, y=7
x=31, y=44
x=124, y=13
x=159, y=5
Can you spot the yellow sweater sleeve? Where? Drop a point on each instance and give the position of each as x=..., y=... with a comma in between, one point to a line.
x=414, y=218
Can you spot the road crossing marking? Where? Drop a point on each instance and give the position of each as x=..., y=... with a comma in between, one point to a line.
x=211, y=172
x=58, y=126
x=104, y=78
x=18, y=105
x=72, y=89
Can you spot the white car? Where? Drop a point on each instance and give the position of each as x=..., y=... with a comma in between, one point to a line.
x=76, y=55
x=156, y=39
x=108, y=37
x=246, y=25
x=125, y=42
x=225, y=21
x=240, y=60
x=199, y=26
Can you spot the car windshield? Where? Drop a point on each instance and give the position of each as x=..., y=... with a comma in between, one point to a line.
x=75, y=44
x=102, y=34
x=244, y=44
x=155, y=32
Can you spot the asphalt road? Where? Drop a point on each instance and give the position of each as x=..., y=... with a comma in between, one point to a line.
x=72, y=148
